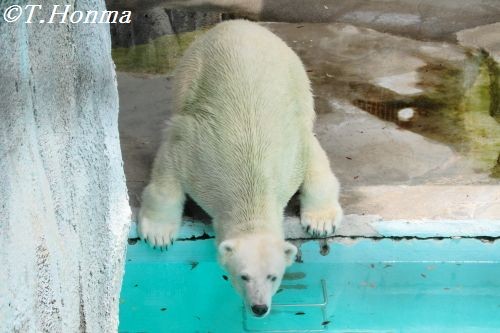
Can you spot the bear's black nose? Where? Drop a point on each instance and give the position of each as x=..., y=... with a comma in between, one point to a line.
x=259, y=310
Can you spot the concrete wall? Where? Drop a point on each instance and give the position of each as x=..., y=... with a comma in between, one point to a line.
x=162, y=29
x=422, y=19
x=64, y=215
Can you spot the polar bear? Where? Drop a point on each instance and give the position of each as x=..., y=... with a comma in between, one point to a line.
x=241, y=143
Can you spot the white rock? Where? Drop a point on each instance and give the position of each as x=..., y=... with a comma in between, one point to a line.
x=405, y=114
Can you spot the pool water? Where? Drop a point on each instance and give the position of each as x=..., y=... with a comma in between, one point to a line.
x=364, y=285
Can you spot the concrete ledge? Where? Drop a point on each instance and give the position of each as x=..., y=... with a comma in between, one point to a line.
x=355, y=226
x=425, y=202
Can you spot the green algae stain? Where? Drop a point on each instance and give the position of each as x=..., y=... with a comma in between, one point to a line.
x=159, y=56
x=460, y=106
x=480, y=118
x=494, y=76
x=495, y=172
x=460, y=109
x=440, y=115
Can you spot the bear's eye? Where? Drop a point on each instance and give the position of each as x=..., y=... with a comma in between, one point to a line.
x=244, y=277
x=271, y=277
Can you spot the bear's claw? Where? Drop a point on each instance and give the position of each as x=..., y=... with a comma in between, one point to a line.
x=321, y=223
x=157, y=233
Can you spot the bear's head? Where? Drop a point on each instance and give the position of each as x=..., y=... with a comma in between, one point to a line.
x=256, y=264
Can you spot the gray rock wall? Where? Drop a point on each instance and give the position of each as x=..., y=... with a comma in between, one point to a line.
x=152, y=23
x=64, y=214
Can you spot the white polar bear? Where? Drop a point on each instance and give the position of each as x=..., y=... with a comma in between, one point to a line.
x=241, y=143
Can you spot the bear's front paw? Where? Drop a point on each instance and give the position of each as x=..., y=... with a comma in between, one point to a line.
x=157, y=233
x=322, y=222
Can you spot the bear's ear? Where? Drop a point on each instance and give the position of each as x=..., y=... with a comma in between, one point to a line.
x=290, y=253
x=226, y=248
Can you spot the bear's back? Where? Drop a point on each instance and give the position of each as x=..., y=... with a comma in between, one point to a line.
x=243, y=107
x=241, y=64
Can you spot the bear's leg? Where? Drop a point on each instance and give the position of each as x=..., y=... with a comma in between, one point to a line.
x=319, y=194
x=162, y=205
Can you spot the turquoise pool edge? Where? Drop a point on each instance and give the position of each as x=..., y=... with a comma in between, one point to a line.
x=445, y=285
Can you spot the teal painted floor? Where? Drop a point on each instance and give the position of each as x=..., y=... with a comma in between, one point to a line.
x=362, y=286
